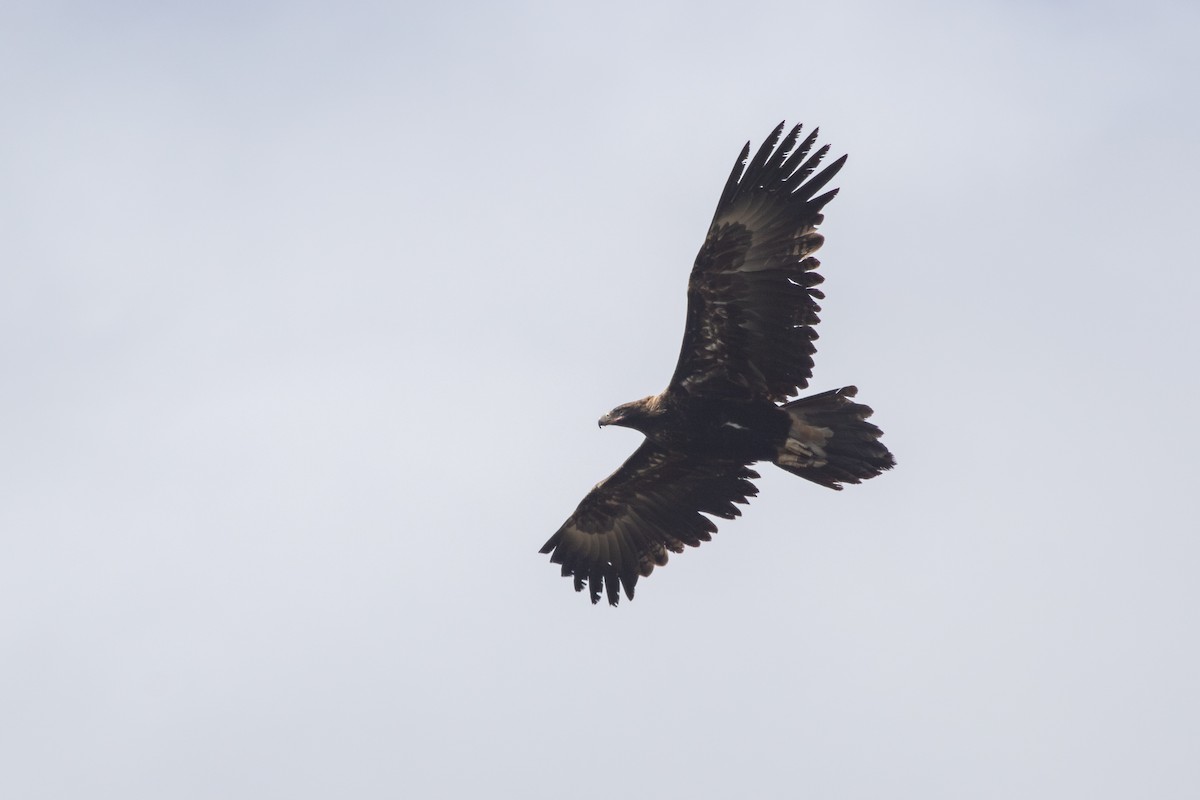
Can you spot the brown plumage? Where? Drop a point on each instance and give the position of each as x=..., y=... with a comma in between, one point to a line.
x=747, y=348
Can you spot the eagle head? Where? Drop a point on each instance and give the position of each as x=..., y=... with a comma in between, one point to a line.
x=631, y=415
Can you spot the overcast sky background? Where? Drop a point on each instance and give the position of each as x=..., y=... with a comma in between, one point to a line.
x=308, y=311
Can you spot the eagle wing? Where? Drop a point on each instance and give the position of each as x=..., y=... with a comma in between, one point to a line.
x=624, y=527
x=751, y=296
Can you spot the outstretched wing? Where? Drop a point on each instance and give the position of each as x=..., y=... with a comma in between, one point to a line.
x=624, y=527
x=751, y=296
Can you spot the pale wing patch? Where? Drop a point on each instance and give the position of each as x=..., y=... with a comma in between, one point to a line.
x=805, y=445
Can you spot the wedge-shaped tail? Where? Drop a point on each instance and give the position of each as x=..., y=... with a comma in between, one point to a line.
x=830, y=441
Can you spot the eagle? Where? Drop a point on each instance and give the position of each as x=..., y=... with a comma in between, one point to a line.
x=747, y=349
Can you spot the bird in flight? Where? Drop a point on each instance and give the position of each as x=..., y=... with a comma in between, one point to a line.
x=747, y=348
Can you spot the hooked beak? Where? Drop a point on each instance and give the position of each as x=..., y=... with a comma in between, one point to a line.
x=608, y=419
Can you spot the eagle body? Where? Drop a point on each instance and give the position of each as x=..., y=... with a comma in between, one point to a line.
x=706, y=426
x=746, y=353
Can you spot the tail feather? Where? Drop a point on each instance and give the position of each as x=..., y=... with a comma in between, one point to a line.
x=830, y=442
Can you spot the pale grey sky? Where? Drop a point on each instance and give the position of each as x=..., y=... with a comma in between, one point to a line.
x=307, y=312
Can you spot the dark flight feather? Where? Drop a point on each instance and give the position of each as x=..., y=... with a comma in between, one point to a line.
x=751, y=306
x=653, y=503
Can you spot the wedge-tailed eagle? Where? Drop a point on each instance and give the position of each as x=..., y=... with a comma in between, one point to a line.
x=747, y=349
